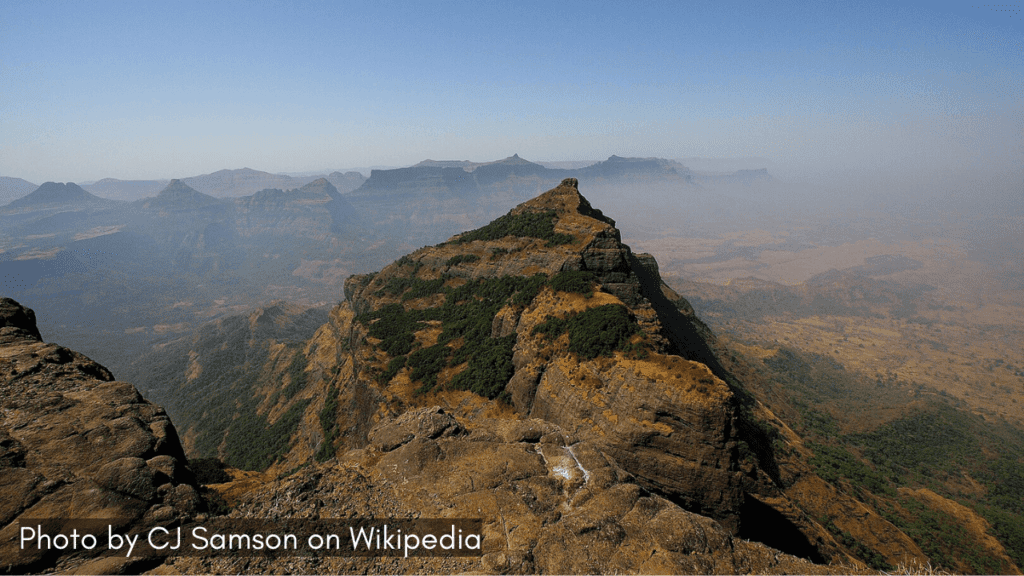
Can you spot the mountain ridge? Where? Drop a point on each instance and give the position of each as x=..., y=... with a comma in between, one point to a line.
x=493, y=330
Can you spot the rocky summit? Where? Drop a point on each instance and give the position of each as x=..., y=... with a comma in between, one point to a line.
x=77, y=444
x=536, y=374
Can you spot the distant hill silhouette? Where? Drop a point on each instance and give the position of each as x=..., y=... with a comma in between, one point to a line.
x=115, y=189
x=54, y=193
x=179, y=196
x=13, y=188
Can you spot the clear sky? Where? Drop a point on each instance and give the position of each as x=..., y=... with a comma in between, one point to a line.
x=173, y=89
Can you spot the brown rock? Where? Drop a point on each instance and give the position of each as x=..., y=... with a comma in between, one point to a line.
x=76, y=444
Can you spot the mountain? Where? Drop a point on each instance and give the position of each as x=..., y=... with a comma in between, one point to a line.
x=77, y=444
x=346, y=182
x=225, y=360
x=55, y=194
x=222, y=184
x=242, y=182
x=435, y=199
x=13, y=188
x=618, y=168
x=537, y=373
x=178, y=196
x=129, y=190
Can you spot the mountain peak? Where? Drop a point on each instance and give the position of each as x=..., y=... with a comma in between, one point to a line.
x=55, y=193
x=564, y=199
x=179, y=195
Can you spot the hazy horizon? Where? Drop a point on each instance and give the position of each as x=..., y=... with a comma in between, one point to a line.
x=128, y=91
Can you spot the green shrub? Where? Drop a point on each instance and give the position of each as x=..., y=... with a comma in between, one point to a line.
x=552, y=327
x=328, y=425
x=462, y=259
x=394, y=365
x=296, y=376
x=209, y=470
x=833, y=463
x=578, y=281
x=594, y=332
x=525, y=224
x=490, y=368
x=253, y=445
x=527, y=289
x=426, y=363
x=600, y=331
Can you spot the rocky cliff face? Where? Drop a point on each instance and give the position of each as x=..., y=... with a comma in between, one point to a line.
x=76, y=444
x=662, y=418
x=537, y=373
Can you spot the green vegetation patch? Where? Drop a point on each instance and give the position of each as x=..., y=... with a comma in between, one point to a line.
x=834, y=462
x=426, y=363
x=942, y=537
x=462, y=259
x=395, y=326
x=252, y=444
x=597, y=331
x=1009, y=529
x=209, y=470
x=466, y=318
x=922, y=443
x=409, y=287
x=296, y=375
x=329, y=425
x=489, y=370
x=577, y=281
x=869, y=556
x=525, y=224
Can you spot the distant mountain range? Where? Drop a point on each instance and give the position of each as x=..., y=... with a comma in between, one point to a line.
x=246, y=181
x=221, y=184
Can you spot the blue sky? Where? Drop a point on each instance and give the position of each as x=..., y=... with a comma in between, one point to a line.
x=172, y=89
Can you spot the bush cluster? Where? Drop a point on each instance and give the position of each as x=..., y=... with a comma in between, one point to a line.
x=209, y=470
x=525, y=224
x=253, y=445
x=328, y=425
x=466, y=315
x=834, y=462
x=594, y=332
x=462, y=259
x=578, y=281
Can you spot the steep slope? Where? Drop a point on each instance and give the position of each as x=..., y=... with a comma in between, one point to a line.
x=230, y=363
x=76, y=444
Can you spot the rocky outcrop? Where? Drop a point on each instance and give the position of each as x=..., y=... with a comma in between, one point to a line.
x=550, y=503
x=77, y=444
